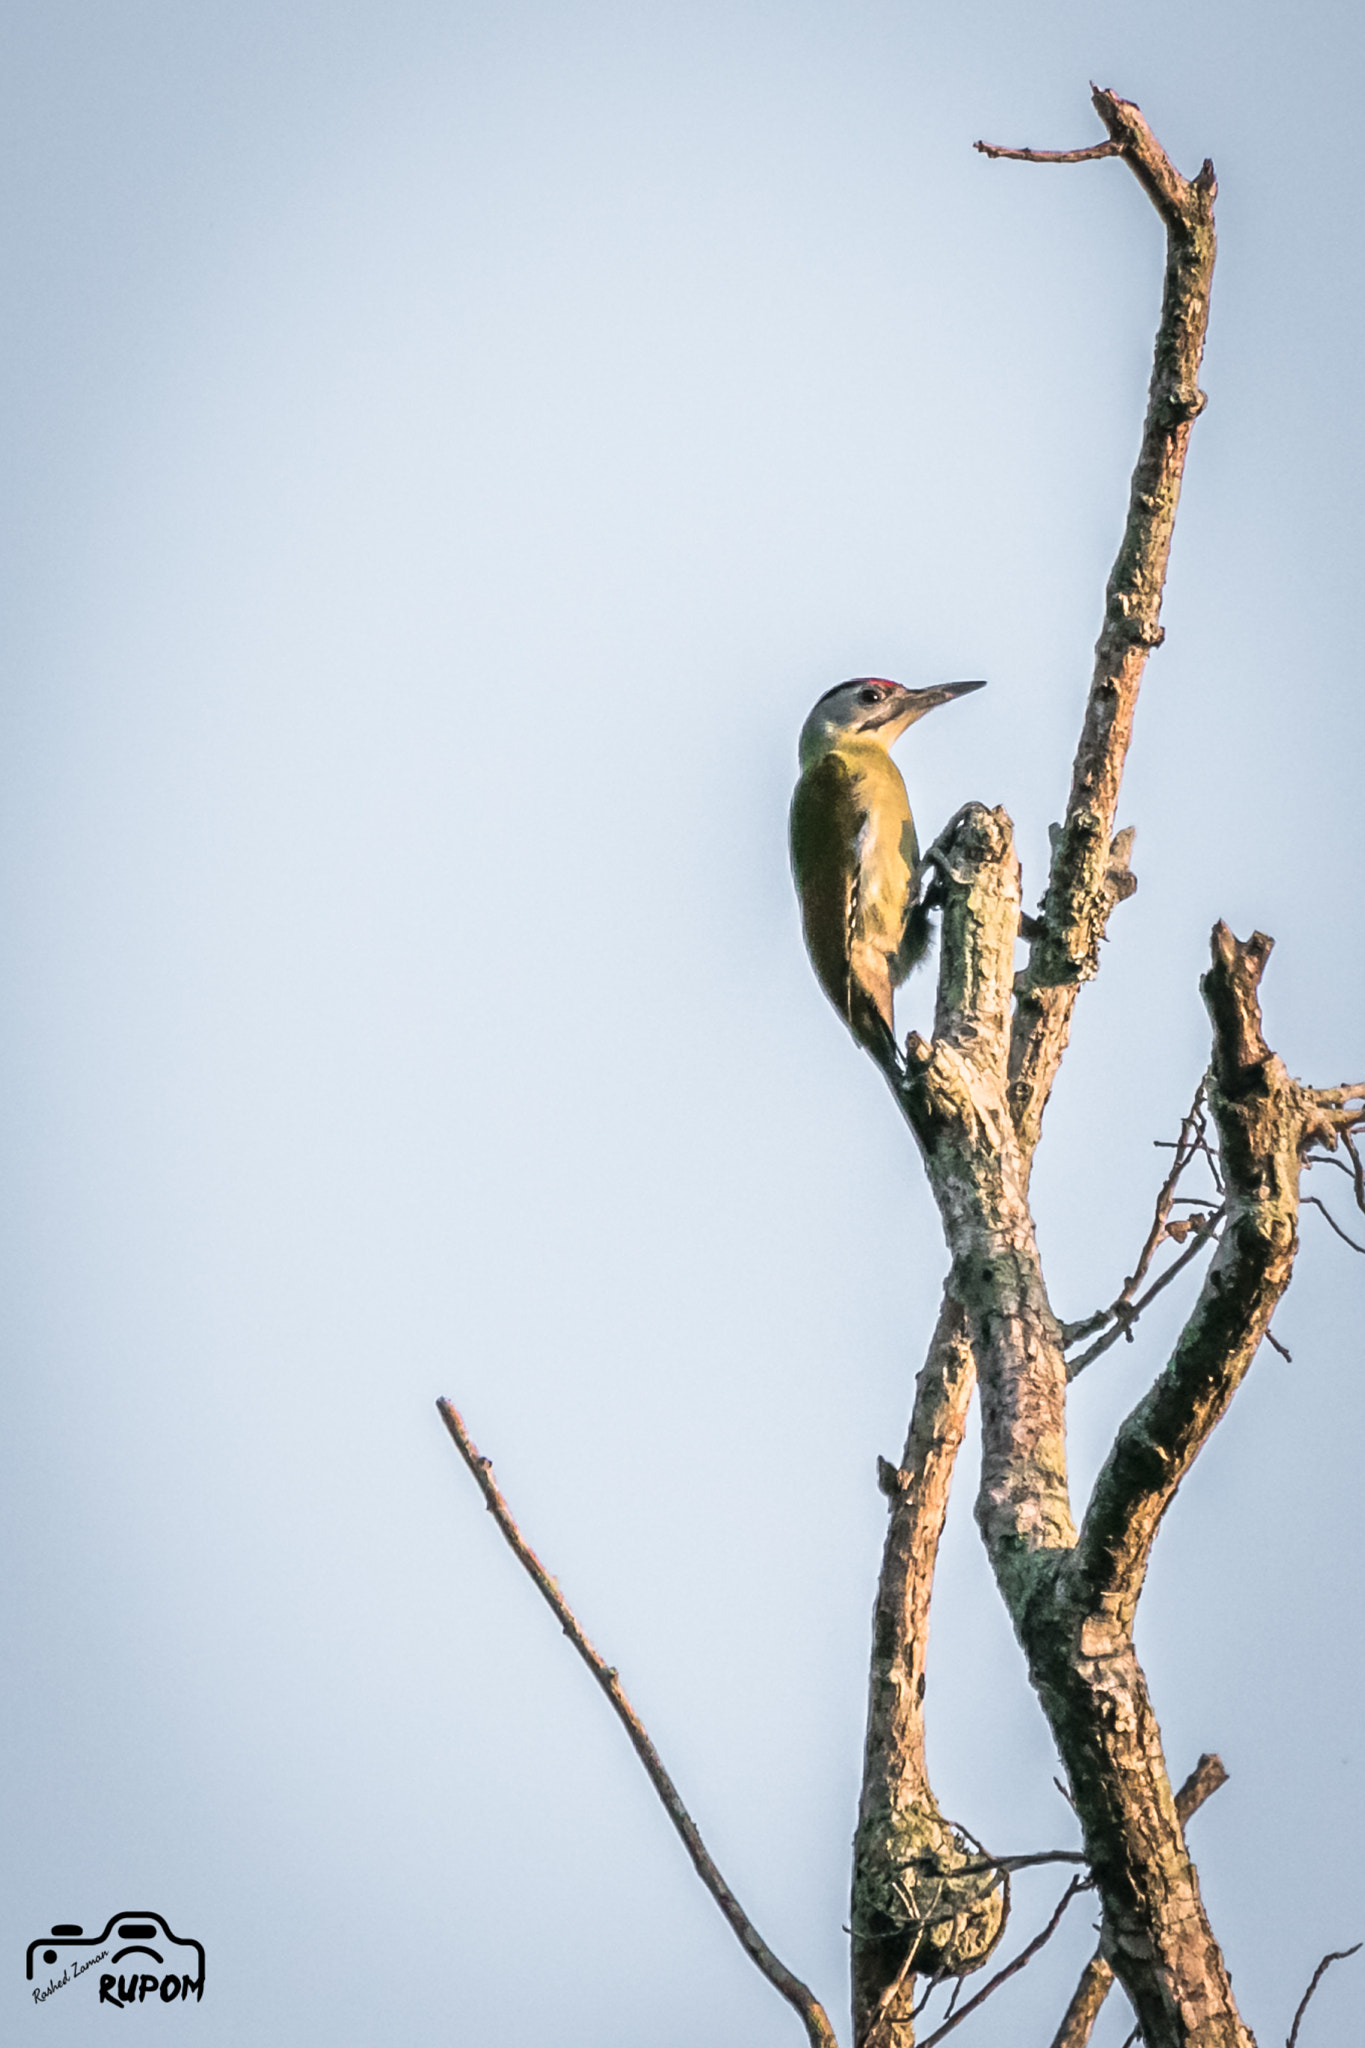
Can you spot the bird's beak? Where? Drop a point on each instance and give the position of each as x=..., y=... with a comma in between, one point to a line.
x=902, y=709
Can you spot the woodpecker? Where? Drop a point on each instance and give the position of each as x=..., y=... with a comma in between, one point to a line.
x=854, y=851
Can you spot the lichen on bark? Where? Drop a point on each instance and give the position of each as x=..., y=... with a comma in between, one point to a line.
x=921, y=1891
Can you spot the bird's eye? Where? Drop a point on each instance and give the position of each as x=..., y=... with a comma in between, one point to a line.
x=869, y=695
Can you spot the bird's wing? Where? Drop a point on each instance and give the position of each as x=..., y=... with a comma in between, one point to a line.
x=915, y=938
x=826, y=820
x=910, y=851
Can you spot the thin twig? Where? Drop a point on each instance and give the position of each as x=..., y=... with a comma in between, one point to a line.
x=818, y=2029
x=1020, y=1862
x=1025, y=1956
x=953, y=1997
x=930, y=1988
x=1357, y=1170
x=886, y=2004
x=1273, y=1341
x=1338, y=1955
x=1316, y=1204
x=1192, y=1143
x=1134, y=1309
x=1050, y=156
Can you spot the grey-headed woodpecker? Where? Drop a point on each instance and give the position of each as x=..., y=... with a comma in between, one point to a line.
x=854, y=852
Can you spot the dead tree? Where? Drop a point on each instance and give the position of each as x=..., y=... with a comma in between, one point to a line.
x=929, y=1903
x=974, y=1096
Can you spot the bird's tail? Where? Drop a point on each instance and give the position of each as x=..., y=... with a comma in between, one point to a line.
x=868, y=1010
x=915, y=943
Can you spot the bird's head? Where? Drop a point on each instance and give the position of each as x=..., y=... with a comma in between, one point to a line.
x=870, y=708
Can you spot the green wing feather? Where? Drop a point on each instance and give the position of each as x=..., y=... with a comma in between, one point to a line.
x=826, y=819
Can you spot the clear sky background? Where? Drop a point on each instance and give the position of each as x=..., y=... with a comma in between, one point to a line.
x=448, y=447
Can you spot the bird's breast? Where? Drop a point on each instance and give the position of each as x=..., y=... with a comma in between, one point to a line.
x=884, y=849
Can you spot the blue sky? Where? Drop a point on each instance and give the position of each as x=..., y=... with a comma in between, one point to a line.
x=449, y=449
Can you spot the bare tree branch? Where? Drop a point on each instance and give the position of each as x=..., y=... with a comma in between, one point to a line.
x=1032, y=1860
x=818, y=2029
x=955, y=1099
x=1208, y=1775
x=1313, y=1202
x=1127, y=1313
x=901, y=1833
x=1089, y=872
x=975, y=1107
x=1051, y=156
x=974, y=1098
x=1074, y=1622
x=1261, y=1118
x=1078, y=2021
x=1355, y=1172
x=1191, y=1144
x=1338, y=1955
x=1098, y=1975
x=918, y=1493
x=1011, y=1969
x=1338, y=1166
x=1346, y=1105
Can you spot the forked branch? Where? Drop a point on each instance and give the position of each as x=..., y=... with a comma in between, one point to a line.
x=818, y=2029
x=991, y=1064
x=1126, y=1313
x=975, y=1097
x=1192, y=1144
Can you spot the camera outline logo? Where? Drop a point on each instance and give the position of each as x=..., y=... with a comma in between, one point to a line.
x=146, y=1935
